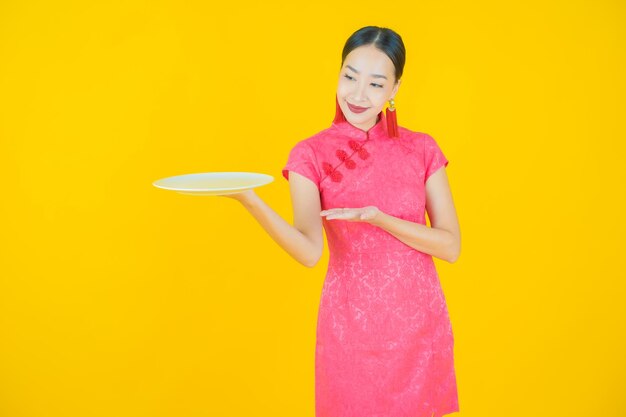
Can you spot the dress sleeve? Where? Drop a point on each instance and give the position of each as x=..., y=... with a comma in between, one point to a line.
x=302, y=160
x=433, y=157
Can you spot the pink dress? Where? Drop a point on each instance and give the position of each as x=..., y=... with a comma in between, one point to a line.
x=384, y=343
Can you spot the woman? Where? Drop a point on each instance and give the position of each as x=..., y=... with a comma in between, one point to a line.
x=384, y=338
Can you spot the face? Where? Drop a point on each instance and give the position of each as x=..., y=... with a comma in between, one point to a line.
x=366, y=80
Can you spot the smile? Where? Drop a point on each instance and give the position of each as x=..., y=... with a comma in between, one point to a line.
x=356, y=109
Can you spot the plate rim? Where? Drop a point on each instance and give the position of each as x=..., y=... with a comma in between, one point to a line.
x=269, y=177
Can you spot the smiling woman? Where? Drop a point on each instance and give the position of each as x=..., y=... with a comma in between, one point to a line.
x=384, y=337
x=368, y=90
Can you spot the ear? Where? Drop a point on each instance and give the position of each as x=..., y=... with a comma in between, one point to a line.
x=395, y=88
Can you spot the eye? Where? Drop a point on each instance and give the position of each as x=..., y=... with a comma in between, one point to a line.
x=352, y=78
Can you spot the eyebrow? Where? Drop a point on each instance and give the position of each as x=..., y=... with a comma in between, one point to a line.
x=373, y=75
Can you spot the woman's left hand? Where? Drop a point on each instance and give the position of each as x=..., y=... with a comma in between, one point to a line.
x=362, y=214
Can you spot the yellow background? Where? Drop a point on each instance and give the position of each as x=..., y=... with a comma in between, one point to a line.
x=121, y=299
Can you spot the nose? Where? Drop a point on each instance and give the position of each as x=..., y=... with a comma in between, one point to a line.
x=359, y=93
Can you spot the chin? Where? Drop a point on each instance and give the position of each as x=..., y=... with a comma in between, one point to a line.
x=356, y=118
x=361, y=117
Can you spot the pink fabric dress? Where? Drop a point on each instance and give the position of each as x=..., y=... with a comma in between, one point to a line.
x=384, y=338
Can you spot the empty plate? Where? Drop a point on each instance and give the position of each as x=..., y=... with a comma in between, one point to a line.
x=213, y=183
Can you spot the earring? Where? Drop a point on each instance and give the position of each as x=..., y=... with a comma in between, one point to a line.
x=392, y=122
x=339, y=116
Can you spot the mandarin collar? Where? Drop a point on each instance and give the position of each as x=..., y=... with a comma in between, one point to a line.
x=379, y=130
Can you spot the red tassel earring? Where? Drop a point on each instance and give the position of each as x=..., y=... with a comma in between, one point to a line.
x=339, y=116
x=392, y=122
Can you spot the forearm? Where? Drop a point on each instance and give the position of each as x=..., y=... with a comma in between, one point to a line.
x=436, y=242
x=294, y=242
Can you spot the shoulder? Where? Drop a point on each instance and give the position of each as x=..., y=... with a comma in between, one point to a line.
x=415, y=139
x=310, y=147
x=415, y=135
x=315, y=142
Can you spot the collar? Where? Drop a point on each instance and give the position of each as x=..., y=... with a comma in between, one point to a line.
x=378, y=131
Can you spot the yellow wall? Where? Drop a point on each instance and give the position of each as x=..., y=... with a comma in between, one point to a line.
x=121, y=299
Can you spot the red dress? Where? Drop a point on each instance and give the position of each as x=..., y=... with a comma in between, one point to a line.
x=384, y=344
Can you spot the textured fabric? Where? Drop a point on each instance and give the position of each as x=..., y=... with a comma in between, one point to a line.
x=384, y=344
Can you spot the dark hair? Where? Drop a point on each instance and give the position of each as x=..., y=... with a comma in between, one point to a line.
x=382, y=38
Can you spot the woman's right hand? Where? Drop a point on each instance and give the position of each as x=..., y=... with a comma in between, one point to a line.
x=243, y=197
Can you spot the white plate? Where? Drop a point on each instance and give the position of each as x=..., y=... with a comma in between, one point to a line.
x=213, y=183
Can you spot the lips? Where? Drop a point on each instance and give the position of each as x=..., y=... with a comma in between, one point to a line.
x=356, y=109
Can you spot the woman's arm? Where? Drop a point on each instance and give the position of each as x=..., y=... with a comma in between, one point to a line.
x=443, y=238
x=304, y=240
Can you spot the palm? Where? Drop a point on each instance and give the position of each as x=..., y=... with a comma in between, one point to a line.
x=241, y=196
x=351, y=214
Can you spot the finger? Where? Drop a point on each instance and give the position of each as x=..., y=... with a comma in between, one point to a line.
x=337, y=216
x=331, y=211
x=345, y=216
